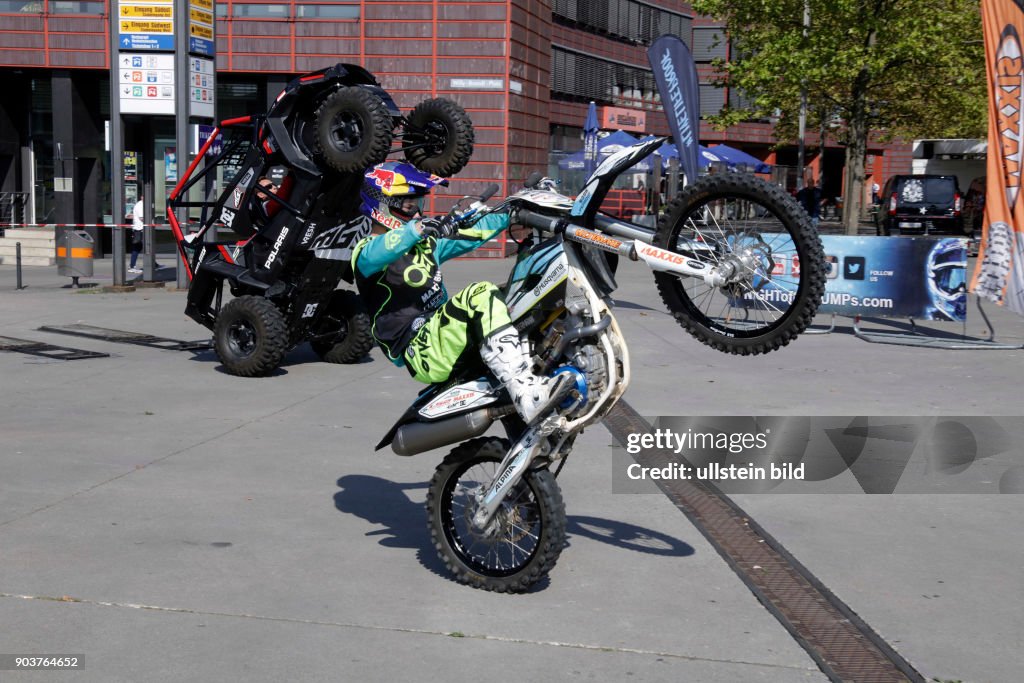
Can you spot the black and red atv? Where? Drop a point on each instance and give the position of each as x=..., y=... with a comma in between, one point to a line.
x=290, y=205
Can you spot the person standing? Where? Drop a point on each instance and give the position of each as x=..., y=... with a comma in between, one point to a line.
x=138, y=236
x=138, y=225
x=810, y=198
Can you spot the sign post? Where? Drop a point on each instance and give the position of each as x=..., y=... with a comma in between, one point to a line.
x=163, y=64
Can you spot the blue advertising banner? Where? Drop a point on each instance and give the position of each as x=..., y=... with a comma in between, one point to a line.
x=676, y=75
x=883, y=277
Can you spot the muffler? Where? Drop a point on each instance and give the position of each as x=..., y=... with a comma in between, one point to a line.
x=417, y=437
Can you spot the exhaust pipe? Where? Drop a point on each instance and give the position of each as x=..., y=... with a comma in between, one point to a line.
x=418, y=437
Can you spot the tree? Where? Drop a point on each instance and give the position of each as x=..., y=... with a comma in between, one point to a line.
x=889, y=69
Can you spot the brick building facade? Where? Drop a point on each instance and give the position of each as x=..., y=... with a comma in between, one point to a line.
x=523, y=69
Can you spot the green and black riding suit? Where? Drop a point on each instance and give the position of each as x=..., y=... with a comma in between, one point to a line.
x=414, y=322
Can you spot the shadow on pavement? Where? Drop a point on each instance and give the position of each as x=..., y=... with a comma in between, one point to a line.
x=300, y=355
x=383, y=502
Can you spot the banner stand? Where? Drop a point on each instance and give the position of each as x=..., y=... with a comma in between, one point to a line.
x=918, y=338
x=822, y=330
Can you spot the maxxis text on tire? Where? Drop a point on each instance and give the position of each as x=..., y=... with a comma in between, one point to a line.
x=353, y=130
x=250, y=336
x=449, y=122
x=550, y=507
x=790, y=216
x=346, y=307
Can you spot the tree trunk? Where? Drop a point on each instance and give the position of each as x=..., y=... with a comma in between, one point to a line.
x=856, y=149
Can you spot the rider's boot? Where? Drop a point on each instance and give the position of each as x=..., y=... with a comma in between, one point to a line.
x=533, y=396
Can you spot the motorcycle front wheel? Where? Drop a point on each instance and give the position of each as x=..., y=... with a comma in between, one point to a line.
x=523, y=541
x=755, y=231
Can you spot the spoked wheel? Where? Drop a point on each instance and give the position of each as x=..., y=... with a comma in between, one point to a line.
x=438, y=137
x=353, y=130
x=524, y=540
x=250, y=336
x=758, y=234
x=346, y=335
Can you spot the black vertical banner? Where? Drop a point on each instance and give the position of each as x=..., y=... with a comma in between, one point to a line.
x=676, y=75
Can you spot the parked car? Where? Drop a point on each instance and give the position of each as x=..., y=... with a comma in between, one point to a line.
x=921, y=205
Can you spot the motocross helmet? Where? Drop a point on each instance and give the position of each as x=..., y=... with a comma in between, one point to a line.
x=947, y=264
x=388, y=188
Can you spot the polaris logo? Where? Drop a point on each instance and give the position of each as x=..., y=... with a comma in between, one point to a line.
x=277, y=247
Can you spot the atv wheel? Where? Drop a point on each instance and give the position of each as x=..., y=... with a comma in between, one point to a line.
x=439, y=137
x=250, y=336
x=347, y=319
x=353, y=130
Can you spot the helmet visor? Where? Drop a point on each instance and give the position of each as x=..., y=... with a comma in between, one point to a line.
x=406, y=207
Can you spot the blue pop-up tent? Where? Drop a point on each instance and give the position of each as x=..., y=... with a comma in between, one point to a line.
x=705, y=157
x=605, y=146
x=736, y=157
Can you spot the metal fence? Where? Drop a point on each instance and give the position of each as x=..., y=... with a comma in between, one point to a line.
x=13, y=209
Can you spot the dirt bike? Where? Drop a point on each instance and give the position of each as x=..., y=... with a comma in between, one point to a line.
x=737, y=263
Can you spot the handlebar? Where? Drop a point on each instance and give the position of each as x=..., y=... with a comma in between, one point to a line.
x=538, y=221
x=488, y=192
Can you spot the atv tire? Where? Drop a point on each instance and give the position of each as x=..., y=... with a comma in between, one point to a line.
x=353, y=339
x=250, y=336
x=439, y=137
x=353, y=130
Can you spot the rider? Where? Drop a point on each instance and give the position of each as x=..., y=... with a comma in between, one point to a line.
x=415, y=323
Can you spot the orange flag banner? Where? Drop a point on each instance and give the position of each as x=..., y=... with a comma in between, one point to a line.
x=999, y=275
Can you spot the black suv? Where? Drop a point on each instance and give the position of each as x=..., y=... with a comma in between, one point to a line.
x=921, y=205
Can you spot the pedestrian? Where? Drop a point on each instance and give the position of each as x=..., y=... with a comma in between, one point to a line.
x=810, y=198
x=137, y=216
x=138, y=224
x=875, y=198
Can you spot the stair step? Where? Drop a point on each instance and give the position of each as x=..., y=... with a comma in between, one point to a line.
x=31, y=249
x=29, y=233
x=29, y=261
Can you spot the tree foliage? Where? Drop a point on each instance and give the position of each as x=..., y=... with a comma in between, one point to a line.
x=885, y=68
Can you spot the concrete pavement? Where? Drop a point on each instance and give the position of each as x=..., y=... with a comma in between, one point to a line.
x=205, y=526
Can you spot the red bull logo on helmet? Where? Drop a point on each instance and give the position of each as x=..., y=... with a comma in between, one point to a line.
x=385, y=179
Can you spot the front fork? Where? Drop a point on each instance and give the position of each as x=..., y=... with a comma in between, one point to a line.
x=533, y=444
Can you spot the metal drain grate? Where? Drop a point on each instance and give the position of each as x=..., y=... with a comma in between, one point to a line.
x=841, y=643
x=124, y=337
x=34, y=348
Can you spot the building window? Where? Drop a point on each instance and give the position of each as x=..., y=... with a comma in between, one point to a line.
x=630, y=20
x=709, y=43
x=712, y=99
x=261, y=11
x=72, y=7
x=601, y=80
x=334, y=11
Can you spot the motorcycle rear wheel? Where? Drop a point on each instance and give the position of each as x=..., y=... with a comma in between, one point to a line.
x=739, y=219
x=526, y=537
